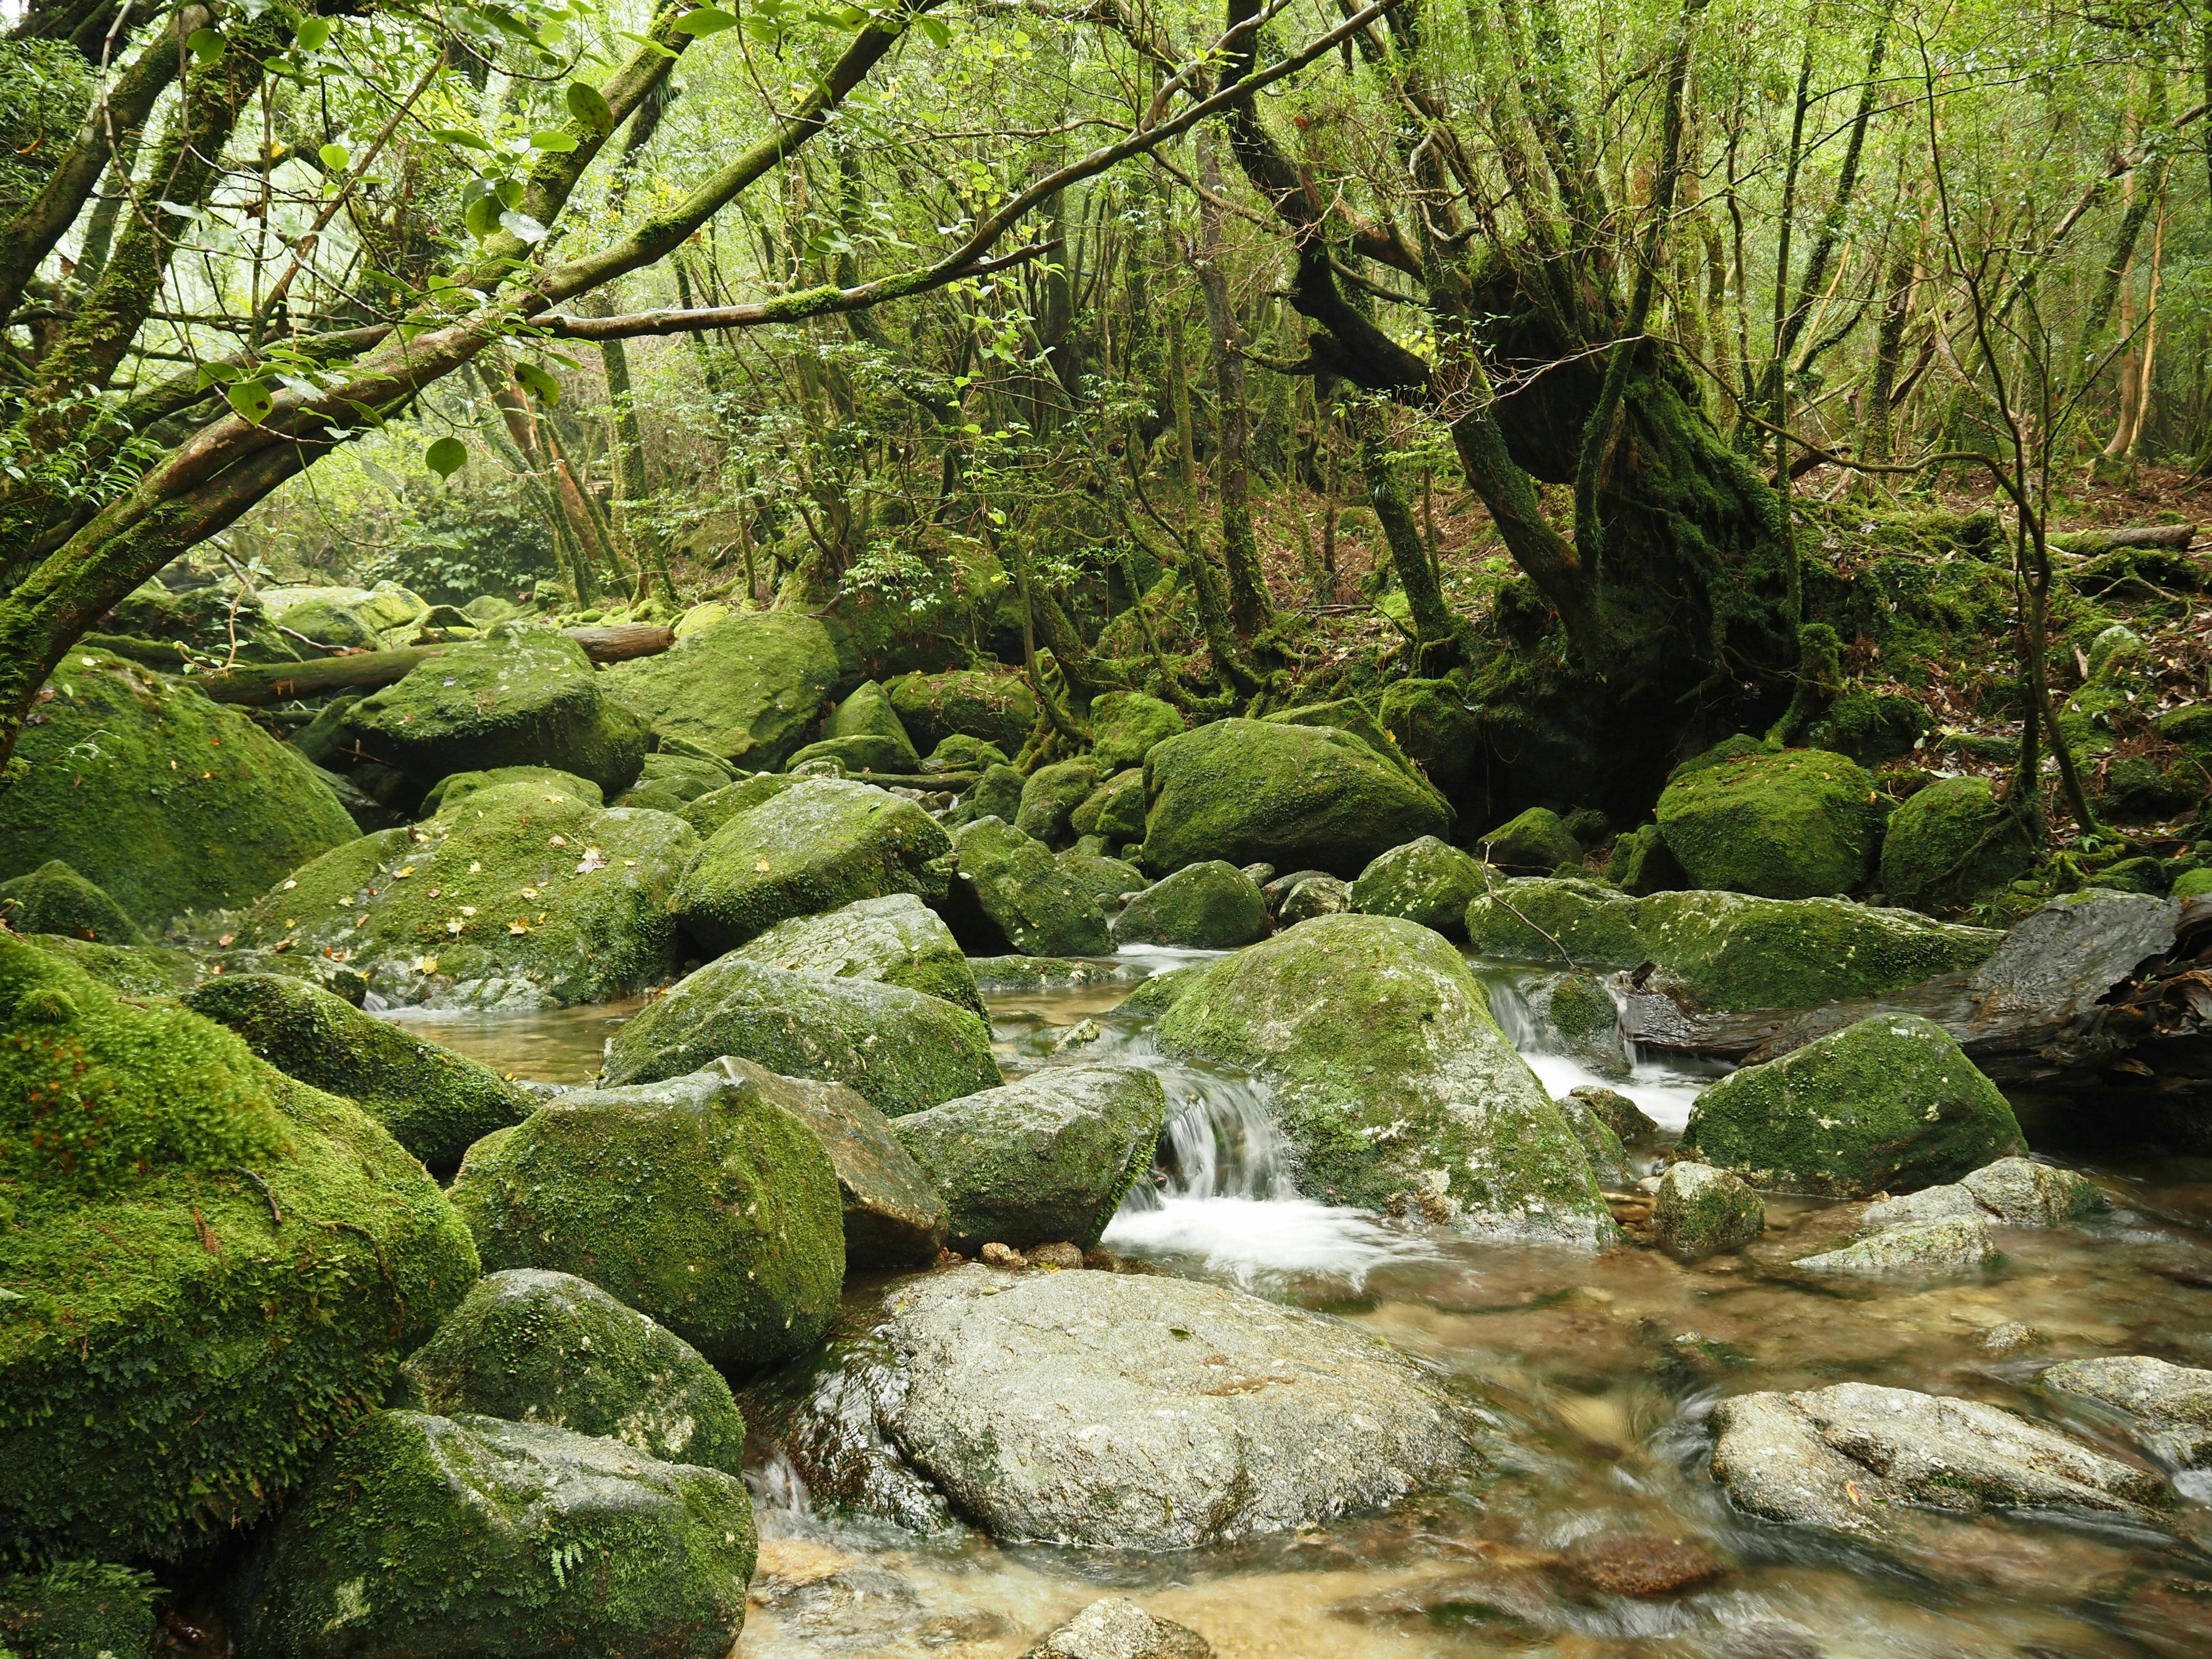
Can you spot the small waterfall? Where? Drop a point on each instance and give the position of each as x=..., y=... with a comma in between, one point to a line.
x=1221, y=1139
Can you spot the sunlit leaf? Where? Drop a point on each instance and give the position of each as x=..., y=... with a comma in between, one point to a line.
x=334, y=157
x=456, y=135
x=538, y=384
x=552, y=138
x=446, y=457
x=481, y=215
x=250, y=399
x=708, y=20
x=206, y=45
x=314, y=34
x=934, y=31
x=588, y=104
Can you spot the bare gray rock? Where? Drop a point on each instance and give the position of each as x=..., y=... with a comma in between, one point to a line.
x=2022, y=1193
x=1936, y=1250
x=1925, y=1208
x=1117, y=1628
x=2169, y=1406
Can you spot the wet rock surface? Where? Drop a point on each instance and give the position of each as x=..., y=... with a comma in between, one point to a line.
x=2168, y=1406
x=1117, y=1628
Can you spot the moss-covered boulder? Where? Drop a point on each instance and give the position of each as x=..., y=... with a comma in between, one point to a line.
x=1047, y=1158
x=1253, y=792
x=534, y=1347
x=1115, y=810
x=900, y=1050
x=867, y=714
x=1562, y=920
x=1391, y=1078
x=516, y=896
x=1640, y=863
x=896, y=938
x=1950, y=843
x=995, y=705
x=1699, y=1210
x=335, y=623
x=1009, y=895
x=1436, y=726
x=1617, y=1112
x=211, y=1268
x=1577, y=1016
x=1050, y=797
x=748, y=689
x=452, y=790
x=819, y=845
x=1124, y=725
x=959, y=752
x=1535, y=842
x=856, y=757
x=134, y=970
x=165, y=800
x=1608, y=1158
x=78, y=1610
x=434, y=1103
x=669, y=782
x=445, y=1538
x=1798, y=825
x=1311, y=895
x=997, y=794
x=1427, y=881
x=1110, y=881
x=520, y=696
x=708, y=812
x=54, y=899
x=1889, y=1104
x=1202, y=907
x=697, y=1200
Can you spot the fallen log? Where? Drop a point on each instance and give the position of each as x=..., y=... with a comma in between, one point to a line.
x=366, y=671
x=2084, y=542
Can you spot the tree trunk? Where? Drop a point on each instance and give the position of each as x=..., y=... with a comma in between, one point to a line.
x=1240, y=549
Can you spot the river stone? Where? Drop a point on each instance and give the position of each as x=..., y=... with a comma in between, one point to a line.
x=1700, y=1211
x=1428, y=881
x=997, y=706
x=1888, y=1104
x=165, y=802
x=455, y=1538
x=1934, y=1249
x=818, y=845
x=959, y=752
x=1205, y=907
x=1947, y=1202
x=1115, y=810
x=1535, y=843
x=900, y=1049
x=570, y=903
x=1390, y=1077
x=1124, y=724
x=1046, y=1158
x=747, y=689
x=698, y=1201
x=532, y=1347
x=867, y=712
x=54, y=899
x=997, y=794
x=1640, y=863
x=1617, y=1112
x=1253, y=792
x=1577, y=1017
x=1950, y=843
x=857, y=757
x=2024, y=1193
x=450, y=790
x=1315, y=896
x=1117, y=1628
x=669, y=782
x=1799, y=824
x=896, y=939
x=1608, y=1160
x=1059, y=973
x=1010, y=896
x=2170, y=1405
x=1141, y=1412
x=1050, y=797
x=1110, y=881
x=436, y=1104
x=1854, y=1458
x=172, y=1353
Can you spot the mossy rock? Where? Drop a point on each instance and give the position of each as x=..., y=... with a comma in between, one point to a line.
x=1608, y=1160
x=2190, y=726
x=217, y=622
x=867, y=712
x=820, y=844
x=1202, y=907
x=2137, y=790
x=1533, y=843
x=173, y=1352
x=1567, y=921
x=857, y=757
x=695, y=1200
x=506, y=899
x=1125, y=724
x=1640, y=864
x=520, y=696
x=1391, y=1080
x=1869, y=729
x=1579, y=1016
x=54, y=899
x=165, y=800
x=1109, y=881
x=997, y=794
x=534, y=1347
x=1351, y=716
x=900, y=1050
x=1115, y=810
x=78, y=1610
x=1313, y=895
x=2192, y=884
x=452, y=790
x=1889, y=1104
x=669, y=781
x=748, y=689
x=132, y=970
x=1045, y=1159
x=446, y=1538
x=1699, y=1212
x=1426, y=881
x=997, y=706
x=708, y=812
x=1950, y=843
x=1253, y=792
x=1798, y=825
x=1617, y=1112
x=1433, y=725
x=335, y=623
x=959, y=752
x=896, y=939
x=1009, y=895
x=1050, y=797
x=434, y=1103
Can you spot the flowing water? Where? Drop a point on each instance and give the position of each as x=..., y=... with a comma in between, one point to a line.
x=1596, y=1378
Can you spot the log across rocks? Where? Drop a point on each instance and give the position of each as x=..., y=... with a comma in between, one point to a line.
x=366, y=671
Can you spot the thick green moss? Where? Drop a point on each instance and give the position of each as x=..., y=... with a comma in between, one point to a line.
x=1050, y=797
x=1951, y=842
x=515, y=896
x=167, y=801
x=868, y=714
x=857, y=757
x=78, y=1610
x=711, y=810
x=997, y=794
x=1427, y=881
x=135, y=970
x=463, y=1538
x=1640, y=864
x=748, y=689
x=1115, y=809
x=1798, y=825
x=434, y=1103
x=211, y=1268
x=959, y=752
x=1124, y=725
x=820, y=844
x=1535, y=843
x=1202, y=907
x=1108, y=880
x=997, y=706
x=669, y=782
x=696, y=1201
x=896, y=939
x=54, y=899
x=1699, y=1210
x=1010, y=895
x=533, y=1346
x=450, y=791
x=1431, y=721
x=1560, y=920
x=1890, y=1104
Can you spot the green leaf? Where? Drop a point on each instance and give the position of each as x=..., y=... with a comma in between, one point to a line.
x=522, y=228
x=456, y=135
x=314, y=34
x=334, y=157
x=206, y=45
x=481, y=215
x=646, y=41
x=538, y=384
x=509, y=192
x=446, y=457
x=588, y=104
x=216, y=373
x=250, y=399
x=552, y=138
x=934, y=31
x=708, y=20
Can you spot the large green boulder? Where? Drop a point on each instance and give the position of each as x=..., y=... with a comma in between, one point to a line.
x=434, y=1103
x=1533, y=843
x=78, y=1610
x=1562, y=920
x=516, y=896
x=452, y=789
x=1202, y=907
x=1044, y=1160
x=1391, y=1080
x=959, y=752
x=1640, y=863
x=1428, y=881
x=900, y=1050
x=748, y=689
x=1950, y=843
x=868, y=714
x=1890, y=1104
x=534, y=1347
x=1009, y=895
x=54, y=899
x=697, y=1200
x=1252, y=792
x=818, y=845
x=896, y=938
x=996, y=706
x=669, y=782
x=335, y=623
x=467, y=1538
x=997, y=794
x=211, y=1268
x=1124, y=725
x=1109, y=881
x=520, y=696
x=1798, y=825
x=134, y=970
x=855, y=757
x=1050, y=797
x=708, y=812
x=163, y=799
x=1115, y=809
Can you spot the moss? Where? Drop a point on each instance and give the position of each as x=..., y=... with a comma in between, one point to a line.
x=134, y=970
x=334, y=622
x=818, y=845
x=1872, y=730
x=1107, y=880
x=173, y=1353
x=515, y=896
x=1115, y=810
x=1534, y=842
x=959, y=752
x=1051, y=795
x=78, y=1610
x=1432, y=725
x=1541, y=919
x=748, y=689
x=1202, y=907
x=434, y=1101
x=894, y=938
x=999, y=707
x=1699, y=1210
x=533, y=1346
x=694, y=1201
x=2192, y=884
x=1950, y=843
x=1794, y=825
x=1608, y=1160
x=1163, y=991
x=867, y=712
x=453, y=788
x=166, y=801
x=857, y=757
x=54, y=899
x=711, y=810
x=1889, y=1104
x=1009, y=894
x=1124, y=725
x=1640, y=863
x=1426, y=881
x=670, y=782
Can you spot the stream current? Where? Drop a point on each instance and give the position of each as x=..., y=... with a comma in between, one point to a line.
x=1595, y=1378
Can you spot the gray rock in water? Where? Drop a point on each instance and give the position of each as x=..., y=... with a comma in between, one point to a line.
x=1608, y=1160
x=1701, y=1211
x=2024, y=1193
x=1925, y=1208
x=1117, y=1628
x=1850, y=1456
x=2170, y=1405
x=1137, y=1412
x=1936, y=1250
x=896, y=938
